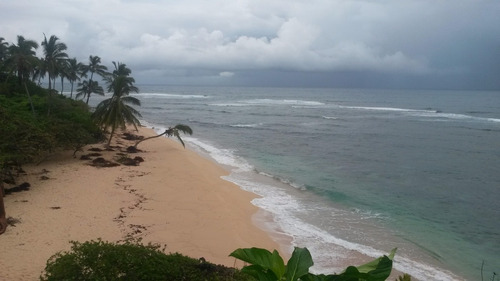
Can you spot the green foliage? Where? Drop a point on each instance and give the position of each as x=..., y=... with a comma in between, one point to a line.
x=268, y=266
x=98, y=260
x=27, y=136
x=404, y=277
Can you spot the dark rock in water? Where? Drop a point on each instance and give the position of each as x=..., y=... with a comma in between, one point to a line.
x=44, y=178
x=139, y=159
x=95, y=149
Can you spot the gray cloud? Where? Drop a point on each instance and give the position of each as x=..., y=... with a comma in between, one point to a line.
x=197, y=40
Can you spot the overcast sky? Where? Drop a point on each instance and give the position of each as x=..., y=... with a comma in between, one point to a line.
x=337, y=43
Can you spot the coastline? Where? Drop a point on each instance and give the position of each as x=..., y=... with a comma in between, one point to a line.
x=175, y=198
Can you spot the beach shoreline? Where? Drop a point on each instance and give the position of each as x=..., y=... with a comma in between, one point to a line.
x=175, y=198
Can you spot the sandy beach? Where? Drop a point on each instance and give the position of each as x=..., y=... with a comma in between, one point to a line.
x=175, y=198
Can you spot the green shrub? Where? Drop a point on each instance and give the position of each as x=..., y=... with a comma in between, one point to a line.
x=98, y=260
x=268, y=266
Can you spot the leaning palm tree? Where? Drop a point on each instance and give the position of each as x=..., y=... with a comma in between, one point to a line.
x=171, y=131
x=115, y=112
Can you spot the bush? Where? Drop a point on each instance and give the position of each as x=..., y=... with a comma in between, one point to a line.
x=98, y=260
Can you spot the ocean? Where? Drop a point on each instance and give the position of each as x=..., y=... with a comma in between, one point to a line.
x=357, y=170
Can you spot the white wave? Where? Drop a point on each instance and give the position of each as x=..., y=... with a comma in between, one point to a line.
x=246, y=125
x=282, y=102
x=170, y=96
x=228, y=104
x=456, y=116
x=222, y=156
x=387, y=109
x=271, y=102
x=329, y=117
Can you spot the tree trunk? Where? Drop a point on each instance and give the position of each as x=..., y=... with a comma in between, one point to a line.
x=3, y=218
x=71, y=94
x=62, y=85
x=29, y=98
x=49, y=97
x=111, y=135
x=148, y=138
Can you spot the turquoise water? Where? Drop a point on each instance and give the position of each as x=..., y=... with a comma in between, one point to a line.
x=362, y=170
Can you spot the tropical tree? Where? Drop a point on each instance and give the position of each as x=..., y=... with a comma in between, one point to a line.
x=22, y=58
x=95, y=66
x=116, y=112
x=121, y=69
x=74, y=72
x=54, y=59
x=63, y=73
x=4, y=46
x=86, y=88
x=171, y=131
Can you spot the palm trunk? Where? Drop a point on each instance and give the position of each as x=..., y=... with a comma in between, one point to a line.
x=62, y=85
x=71, y=93
x=29, y=98
x=3, y=218
x=111, y=135
x=148, y=138
x=49, y=101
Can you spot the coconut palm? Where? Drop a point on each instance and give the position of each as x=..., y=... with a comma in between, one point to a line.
x=63, y=73
x=75, y=71
x=54, y=57
x=171, y=131
x=116, y=112
x=95, y=66
x=121, y=69
x=4, y=46
x=22, y=58
x=22, y=61
x=86, y=88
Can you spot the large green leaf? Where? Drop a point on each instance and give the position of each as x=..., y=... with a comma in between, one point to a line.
x=263, y=258
x=299, y=264
x=379, y=268
x=259, y=273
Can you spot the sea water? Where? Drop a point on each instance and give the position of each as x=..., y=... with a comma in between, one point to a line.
x=345, y=170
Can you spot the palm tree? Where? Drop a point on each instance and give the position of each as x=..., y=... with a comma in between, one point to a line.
x=22, y=61
x=75, y=71
x=121, y=69
x=54, y=56
x=63, y=73
x=95, y=66
x=116, y=112
x=171, y=131
x=86, y=88
x=22, y=58
x=4, y=46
